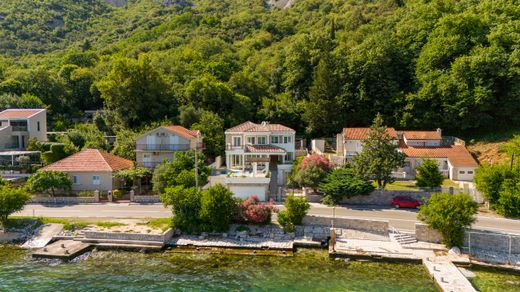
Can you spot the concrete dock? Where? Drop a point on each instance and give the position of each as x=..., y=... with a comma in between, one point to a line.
x=43, y=236
x=62, y=249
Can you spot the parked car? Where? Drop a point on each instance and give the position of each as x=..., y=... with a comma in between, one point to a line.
x=405, y=202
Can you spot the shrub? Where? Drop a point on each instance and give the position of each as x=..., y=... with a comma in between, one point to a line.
x=508, y=203
x=449, y=215
x=310, y=176
x=317, y=160
x=429, y=175
x=11, y=200
x=295, y=210
x=117, y=194
x=341, y=183
x=186, y=206
x=253, y=211
x=49, y=181
x=489, y=178
x=217, y=207
x=86, y=194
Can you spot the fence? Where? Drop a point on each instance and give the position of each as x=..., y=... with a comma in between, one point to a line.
x=494, y=247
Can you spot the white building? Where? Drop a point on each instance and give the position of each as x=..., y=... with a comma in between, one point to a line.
x=17, y=126
x=350, y=141
x=259, y=158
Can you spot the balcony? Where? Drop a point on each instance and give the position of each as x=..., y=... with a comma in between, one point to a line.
x=149, y=164
x=163, y=147
x=19, y=128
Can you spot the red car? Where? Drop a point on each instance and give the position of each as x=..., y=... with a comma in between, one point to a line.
x=405, y=202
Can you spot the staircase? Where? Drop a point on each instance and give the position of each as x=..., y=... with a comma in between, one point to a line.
x=403, y=238
x=273, y=183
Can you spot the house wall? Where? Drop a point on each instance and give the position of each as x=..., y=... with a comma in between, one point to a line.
x=422, y=143
x=5, y=137
x=340, y=145
x=164, y=138
x=352, y=147
x=32, y=125
x=415, y=162
x=457, y=175
x=85, y=181
x=155, y=157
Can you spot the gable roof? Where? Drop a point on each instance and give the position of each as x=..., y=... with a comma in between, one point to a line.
x=175, y=129
x=362, y=133
x=263, y=127
x=90, y=160
x=457, y=155
x=422, y=135
x=19, y=113
x=181, y=131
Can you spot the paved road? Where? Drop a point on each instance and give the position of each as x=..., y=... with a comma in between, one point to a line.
x=401, y=219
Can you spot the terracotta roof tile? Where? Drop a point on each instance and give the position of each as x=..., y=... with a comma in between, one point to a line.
x=181, y=131
x=457, y=155
x=264, y=149
x=362, y=133
x=422, y=135
x=91, y=160
x=15, y=113
x=263, y=127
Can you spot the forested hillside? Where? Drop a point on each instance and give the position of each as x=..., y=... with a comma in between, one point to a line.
x=317, y=66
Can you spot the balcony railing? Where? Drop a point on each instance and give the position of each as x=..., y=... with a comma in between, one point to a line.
x=19, y=128
x=149, y=164
x=163, y=147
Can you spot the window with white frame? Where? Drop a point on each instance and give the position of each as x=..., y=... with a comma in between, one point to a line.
x=262, y=140
x=251, y=140
x=96, y=180
x=75, y=179
x=237, y=141
x=236, y=160
x=275, y=139
x=462, y=172
x=470, y=171
x=288, y=156
x=287, y=139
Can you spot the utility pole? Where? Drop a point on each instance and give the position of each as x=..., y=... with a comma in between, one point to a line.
x=196, y=162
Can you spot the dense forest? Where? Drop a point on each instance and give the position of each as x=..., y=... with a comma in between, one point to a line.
x=316, y=66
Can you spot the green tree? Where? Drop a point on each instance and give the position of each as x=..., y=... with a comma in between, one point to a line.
x=180, y=171
x=343, y=183
x=57, y=152
x=379, y=157
x=85, y=136
x=449, y=215
x=295, y=210
x=49, y=181
x=26, y=100
x=11, y=200
x=186, y=206
x=429, y=175
x=489, y=179
x=211, y=127
x=124, y=145
x=136, y=93
x=217, y=208
x=322, y=111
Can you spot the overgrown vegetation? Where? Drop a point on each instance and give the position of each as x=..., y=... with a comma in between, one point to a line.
x=343, y=183
x=295, y=210
x=421, y=64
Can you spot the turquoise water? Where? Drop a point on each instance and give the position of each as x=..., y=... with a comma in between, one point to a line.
x=126, y=271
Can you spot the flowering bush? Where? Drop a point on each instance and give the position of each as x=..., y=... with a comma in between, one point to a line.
x=318, y=160
x=253, y=211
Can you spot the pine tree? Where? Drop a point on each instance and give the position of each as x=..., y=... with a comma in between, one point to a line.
x=379, y=156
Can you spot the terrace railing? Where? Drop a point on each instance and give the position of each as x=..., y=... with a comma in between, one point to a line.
x=163, y=147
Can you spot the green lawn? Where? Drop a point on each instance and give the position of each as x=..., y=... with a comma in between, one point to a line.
x=409, y=185
x=68, y=223
x=158, y=223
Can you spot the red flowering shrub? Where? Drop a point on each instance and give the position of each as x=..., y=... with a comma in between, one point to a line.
x=318, y=160
x=253, y=211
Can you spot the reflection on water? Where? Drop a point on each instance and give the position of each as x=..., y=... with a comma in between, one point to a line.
x=116, y=271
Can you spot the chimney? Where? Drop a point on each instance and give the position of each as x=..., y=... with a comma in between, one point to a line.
x=439, y=131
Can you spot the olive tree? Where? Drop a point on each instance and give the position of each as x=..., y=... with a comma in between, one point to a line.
x=49, y=181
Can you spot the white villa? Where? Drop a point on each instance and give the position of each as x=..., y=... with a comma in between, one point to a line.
x=258, y=158
x=17, y=126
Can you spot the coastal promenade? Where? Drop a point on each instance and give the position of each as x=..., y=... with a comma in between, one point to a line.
x=401, y=219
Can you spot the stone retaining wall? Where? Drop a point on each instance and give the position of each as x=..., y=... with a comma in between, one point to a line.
x=384, y=197
x=63, y=200
x=167, y=235
x=374, y=226
x=146, y=199
x=424, y=233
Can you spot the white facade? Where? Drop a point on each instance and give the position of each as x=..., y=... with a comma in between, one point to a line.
x=17, y=126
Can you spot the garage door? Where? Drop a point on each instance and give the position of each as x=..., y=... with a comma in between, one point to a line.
x=244, y=192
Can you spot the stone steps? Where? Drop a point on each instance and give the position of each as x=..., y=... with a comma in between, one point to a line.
x=405, y=238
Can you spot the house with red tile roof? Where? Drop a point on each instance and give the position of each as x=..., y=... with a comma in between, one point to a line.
x=350, y=141
x=17, y=126
x=253, y=150
x=454, y=161
x=159, y=144
x=92, y=169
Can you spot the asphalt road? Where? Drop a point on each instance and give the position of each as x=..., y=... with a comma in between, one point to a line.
x=401, y=219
